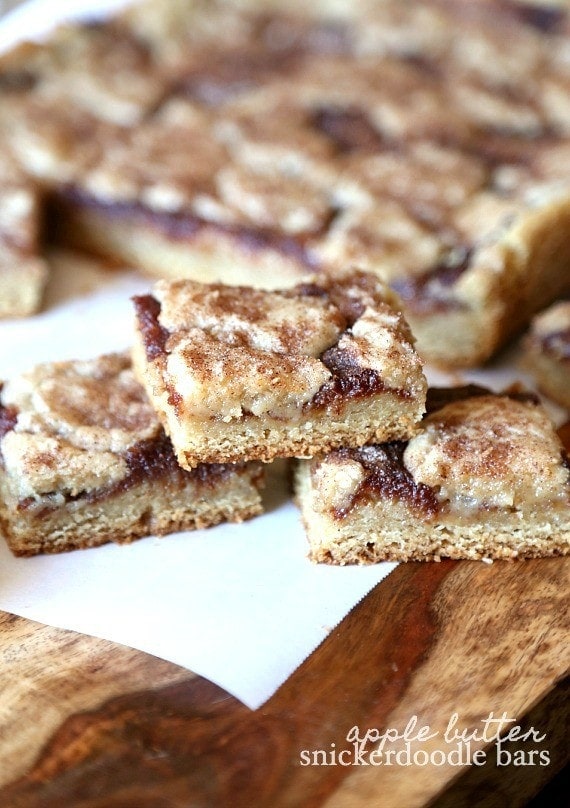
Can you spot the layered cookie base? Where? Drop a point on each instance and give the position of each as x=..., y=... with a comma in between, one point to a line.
x=84, y=461
x=239, y=373
x=486, y=477
x=547, y=352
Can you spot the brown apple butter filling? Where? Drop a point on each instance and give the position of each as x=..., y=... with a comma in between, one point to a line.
x=349, y=381
x=432, y=290
x=186, y=226
x=548, y=19
x=17, y=81
x=350, y=130
x=149, y=460
x=147, y=309
x=387, y=477
x=439, y=397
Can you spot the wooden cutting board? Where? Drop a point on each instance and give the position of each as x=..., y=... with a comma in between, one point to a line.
x=85, y=722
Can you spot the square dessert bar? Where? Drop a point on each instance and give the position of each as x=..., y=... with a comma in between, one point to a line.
x=84, y=461
x=241, y=373
x=547, y=352
x=486, y=477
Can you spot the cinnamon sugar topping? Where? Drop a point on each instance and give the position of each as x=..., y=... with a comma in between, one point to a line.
x=75, y=422
x=234, y=351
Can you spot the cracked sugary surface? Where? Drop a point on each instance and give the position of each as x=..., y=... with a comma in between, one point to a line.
x=234, y=350
x=489, y=452
x=254, y=353
x=75, y=421
x=262, y=351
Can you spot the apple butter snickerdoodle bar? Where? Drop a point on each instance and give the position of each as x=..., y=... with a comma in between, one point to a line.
x=241, y=373
x=84, y=461
x=486, y=477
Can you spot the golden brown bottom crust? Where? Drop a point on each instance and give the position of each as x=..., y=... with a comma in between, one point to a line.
x=263, y=439
x=492, y=550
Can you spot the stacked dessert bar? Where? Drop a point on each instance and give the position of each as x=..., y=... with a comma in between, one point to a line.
x=328, y=371
x=234, y=375
x=224, y=377
x=317, y=189
x=237, y=372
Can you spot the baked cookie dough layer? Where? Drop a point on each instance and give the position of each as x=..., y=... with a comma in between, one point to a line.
x=84, y=461
x=486, y=477
x=547, y=352
x=240, y=373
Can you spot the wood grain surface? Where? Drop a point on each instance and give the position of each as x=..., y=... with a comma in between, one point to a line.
x=86, y=723
x=109, y=727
